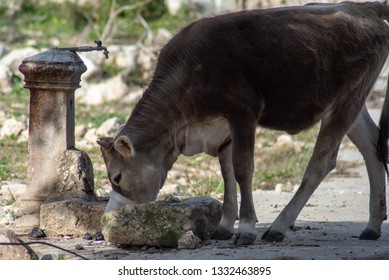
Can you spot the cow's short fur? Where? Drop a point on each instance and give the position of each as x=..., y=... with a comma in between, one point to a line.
x=284, y=69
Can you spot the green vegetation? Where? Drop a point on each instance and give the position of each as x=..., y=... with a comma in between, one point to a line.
x=117, y=21
x=13, y=160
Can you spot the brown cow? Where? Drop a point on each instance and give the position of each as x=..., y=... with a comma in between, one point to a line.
x=284, y=69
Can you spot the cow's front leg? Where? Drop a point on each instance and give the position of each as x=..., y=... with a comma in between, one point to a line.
x=243, y=138
x=225, y=229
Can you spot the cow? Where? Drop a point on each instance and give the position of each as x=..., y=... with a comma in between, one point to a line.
x=282, y=68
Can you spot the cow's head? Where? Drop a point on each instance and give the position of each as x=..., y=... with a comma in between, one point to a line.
x=136, y=176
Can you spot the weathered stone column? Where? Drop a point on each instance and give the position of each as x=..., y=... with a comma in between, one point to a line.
x=52, y=77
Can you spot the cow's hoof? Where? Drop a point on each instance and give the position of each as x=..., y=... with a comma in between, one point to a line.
x=368, y=234
x=273, y=236
x=222, y=234
x=244, y=239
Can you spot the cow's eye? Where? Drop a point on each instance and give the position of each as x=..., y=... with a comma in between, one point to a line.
x=117, y=178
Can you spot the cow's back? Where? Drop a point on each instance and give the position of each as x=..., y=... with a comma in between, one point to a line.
x=293, y=62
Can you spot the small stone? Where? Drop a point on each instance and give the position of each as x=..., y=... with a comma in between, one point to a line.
x=98, y=93
x=11, y=127
x=99, y=236
x=171, y=189
x=37, y=233
x=189, y=241
x=88, y=236
x=12, y=190
x=280, y=188
x=284, y=141
x=79, y=247
x=5, y=79
x=109, y=127
x=79, y=131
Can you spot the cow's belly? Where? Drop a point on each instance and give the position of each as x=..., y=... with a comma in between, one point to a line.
x=203, y=137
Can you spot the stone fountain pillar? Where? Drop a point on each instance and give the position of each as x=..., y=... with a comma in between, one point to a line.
x=56, y=170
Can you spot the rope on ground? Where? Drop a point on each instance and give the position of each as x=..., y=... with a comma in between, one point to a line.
x=42, y=243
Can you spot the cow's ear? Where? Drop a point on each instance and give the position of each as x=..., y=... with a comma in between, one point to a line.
x=106, y=143
x=124, y=146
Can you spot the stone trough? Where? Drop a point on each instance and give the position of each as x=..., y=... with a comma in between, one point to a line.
x=165, y=223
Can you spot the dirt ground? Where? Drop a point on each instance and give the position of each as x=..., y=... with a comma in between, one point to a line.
x=327, y=228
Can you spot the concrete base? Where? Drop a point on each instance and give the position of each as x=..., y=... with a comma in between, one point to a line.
x=71, y=217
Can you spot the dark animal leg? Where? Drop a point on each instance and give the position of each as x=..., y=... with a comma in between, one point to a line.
x=323, y=160
x=243, y=138
x=225, y=229
x=364, y=134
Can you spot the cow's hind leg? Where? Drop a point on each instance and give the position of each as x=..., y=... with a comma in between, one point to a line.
x=364, y=134
x=225, y=229
x=323, y=160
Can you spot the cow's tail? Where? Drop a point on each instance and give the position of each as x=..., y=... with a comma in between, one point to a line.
x=383, y=136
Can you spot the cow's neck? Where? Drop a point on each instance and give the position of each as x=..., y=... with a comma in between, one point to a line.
x=154, y=122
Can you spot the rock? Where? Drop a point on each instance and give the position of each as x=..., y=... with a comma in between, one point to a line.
x=7, y=215
x=91, y=136
x=25, y=222
x=12, y=190
x=79, y=131
x=201, y=7
x=14, y=252
x=71, y=217
x=248, y=5
x=134, y=95
x=15, y=57
x=5, y=79
x=146, y=64
x=52, y=256
x=3, y=117
x=2, y=212
x=93, y=70
x=163, y=36
x=23, y=136
x=161, y=223
x=88, y=236
x=109, y=127
x=4, y=49
x=37, y=233
x=11, y=127
x=124, y=56
x=189, y=241
x=280, y=188
x=169, y=189
x=98, y=93
x=284, y=141
x=75, y=172
x=174, y=6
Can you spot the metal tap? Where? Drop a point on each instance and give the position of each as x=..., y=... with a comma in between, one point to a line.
x=99, y=47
